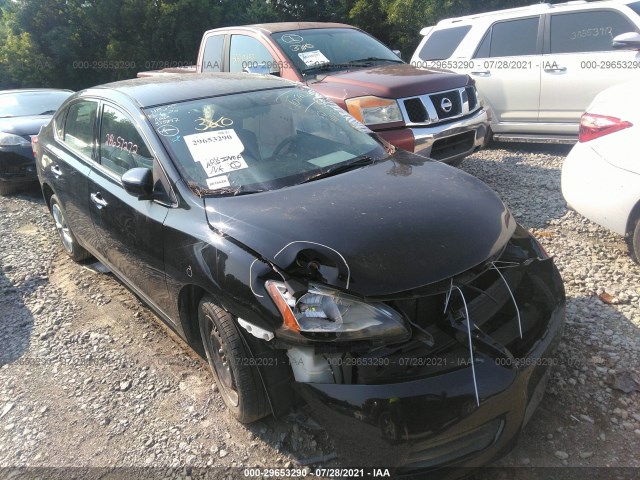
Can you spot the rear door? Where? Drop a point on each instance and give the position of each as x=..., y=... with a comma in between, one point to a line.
x=506, y=67
x=71, y=158
x=579, y=62
x=130, y=230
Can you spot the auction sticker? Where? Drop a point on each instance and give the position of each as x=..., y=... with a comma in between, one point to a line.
x=221, y=181
x=315, y=57
x=218, y=152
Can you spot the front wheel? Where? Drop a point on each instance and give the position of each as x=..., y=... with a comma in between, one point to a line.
x=237, y=378
x=69, y=241
x=634, y=243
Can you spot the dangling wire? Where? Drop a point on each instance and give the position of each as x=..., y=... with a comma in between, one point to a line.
x=446, y=301
x=512, y=298
x=469, y=326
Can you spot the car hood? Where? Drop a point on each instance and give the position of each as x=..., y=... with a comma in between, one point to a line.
x=389, y=227
x=390, y=81
x=24, y=125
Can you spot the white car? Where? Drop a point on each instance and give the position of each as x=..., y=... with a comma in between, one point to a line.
x=601, y=174
x=537, y=68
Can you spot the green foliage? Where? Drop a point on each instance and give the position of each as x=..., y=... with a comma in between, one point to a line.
x=78, y=43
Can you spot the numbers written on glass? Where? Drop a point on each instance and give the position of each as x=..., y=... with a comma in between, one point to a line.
x=591, y=32
x=112, y=141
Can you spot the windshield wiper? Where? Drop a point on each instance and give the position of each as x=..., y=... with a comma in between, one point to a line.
x=7, y=116
x=360, y=162
x=370, y=60
x=325, y=67
x=222, y=192
x=48, y=112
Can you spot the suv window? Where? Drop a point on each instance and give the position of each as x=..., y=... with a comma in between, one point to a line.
x=586, y=31
x=635, y=6
x=78, y=128
x=512, y=38
x=442, y=43
x=248, y=52
x=212, y=58
x=121, y=145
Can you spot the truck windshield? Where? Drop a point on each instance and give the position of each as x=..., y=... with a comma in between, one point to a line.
x=261, y=140
x=325, y=49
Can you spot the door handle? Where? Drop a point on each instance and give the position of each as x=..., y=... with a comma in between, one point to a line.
x=55, y=169
x=98, y=200
x=555, y=69
x=482, y=73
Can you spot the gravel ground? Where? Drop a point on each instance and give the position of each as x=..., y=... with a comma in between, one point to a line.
x=91, y=378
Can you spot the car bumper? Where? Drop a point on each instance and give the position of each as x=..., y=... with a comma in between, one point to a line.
x=598, y=190
x=448, y=142
x=433, y=425
x=17, y=164
x=452, y=141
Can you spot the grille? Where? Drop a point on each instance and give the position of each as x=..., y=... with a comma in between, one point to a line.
x=451, y=146
x=471, y=97
x=416, y=111
x=440, y=99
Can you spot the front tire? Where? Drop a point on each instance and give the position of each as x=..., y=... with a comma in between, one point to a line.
x=633, y=242
x=69, y=241
x=237, y=379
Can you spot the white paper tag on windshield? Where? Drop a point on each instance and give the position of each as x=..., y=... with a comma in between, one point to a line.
x=221, y=181
x=218, y=152
x=314, y=57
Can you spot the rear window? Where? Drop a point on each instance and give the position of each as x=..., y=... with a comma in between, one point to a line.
x=442, y=43
x=510, y=39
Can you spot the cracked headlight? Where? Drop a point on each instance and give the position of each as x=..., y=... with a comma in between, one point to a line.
x=374, y=110
x=11, y=140
x=323, y=314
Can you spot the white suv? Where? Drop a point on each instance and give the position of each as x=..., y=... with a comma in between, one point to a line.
x=537, y=68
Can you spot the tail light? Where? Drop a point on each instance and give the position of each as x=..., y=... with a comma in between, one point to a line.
x=34, y=144
x=595, y=126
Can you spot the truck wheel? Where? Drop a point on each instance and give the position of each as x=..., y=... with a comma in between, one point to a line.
x=238, y=382
x=69, y=241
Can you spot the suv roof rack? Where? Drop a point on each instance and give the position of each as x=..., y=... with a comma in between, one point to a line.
x=535, y=8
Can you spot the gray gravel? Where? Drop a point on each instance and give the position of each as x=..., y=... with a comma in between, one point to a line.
x=89, y=377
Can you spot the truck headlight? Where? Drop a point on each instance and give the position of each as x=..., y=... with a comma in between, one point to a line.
x=322, y=314
x=374, y=110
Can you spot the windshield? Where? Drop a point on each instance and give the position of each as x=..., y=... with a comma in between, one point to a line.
x=261, y=140
x=31, y=103
x=321, y=49
x=635, y=6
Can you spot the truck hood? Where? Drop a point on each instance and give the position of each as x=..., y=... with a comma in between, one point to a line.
x=398, y=80
x=388, y=227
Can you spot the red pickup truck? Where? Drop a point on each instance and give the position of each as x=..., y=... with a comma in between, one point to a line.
x=431, y=112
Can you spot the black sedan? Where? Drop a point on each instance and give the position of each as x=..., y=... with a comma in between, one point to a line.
x=22, y=113
x=311, y=263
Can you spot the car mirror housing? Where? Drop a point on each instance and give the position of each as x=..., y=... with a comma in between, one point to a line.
x=139, y=183
x=627, y=41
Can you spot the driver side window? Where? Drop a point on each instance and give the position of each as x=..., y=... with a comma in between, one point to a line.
x=121, y=145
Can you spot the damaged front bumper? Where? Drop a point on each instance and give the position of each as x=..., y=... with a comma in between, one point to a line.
x=430, y=404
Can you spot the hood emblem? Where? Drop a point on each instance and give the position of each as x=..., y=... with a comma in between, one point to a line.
x=446, y=104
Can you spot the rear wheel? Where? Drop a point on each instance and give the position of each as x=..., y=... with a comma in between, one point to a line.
x=238, y=381
x=69, y=241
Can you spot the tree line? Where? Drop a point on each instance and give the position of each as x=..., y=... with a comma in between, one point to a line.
x=79, y=43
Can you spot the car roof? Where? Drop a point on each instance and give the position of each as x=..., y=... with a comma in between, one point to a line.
x=288, y=26
x=535, y=8
x=177, y=87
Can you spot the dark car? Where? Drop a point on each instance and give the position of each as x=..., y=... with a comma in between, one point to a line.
x=311, y=262
x=22, y=113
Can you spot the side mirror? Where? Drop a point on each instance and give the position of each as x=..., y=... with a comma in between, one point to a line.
x=627, y=41
x=138, y=182
x=398, y=53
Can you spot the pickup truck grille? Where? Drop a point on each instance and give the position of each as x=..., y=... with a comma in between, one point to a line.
x=439, y=107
